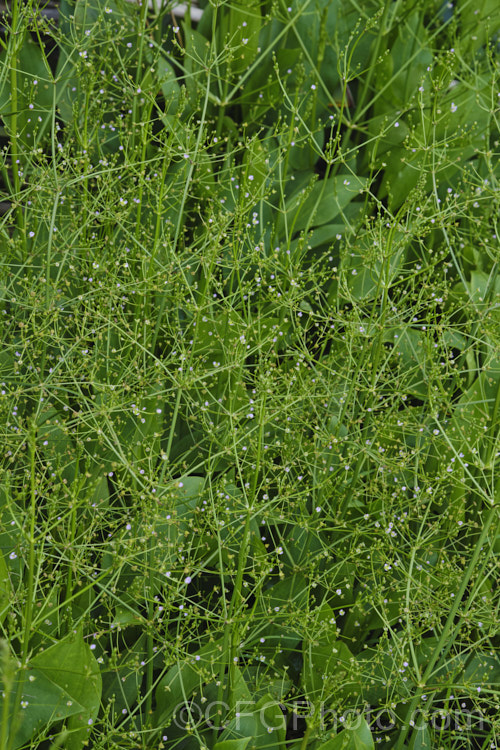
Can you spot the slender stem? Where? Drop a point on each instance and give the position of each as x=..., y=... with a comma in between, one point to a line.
x=149, y=671
x=28, y=612
x=180, y=219
x=8, y=672
x=143, y=4
x=150, y=644
x=492, y=513
x=16, y=156
x=305, y=738
x=373, y=67
x=232, y=632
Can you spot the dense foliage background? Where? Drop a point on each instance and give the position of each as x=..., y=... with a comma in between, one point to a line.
x=250, y=376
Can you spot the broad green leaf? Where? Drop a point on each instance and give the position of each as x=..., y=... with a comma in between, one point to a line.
x=262, y=679
x=153, y=542
x=390, y=132
x=368, y=272
x=169, y=85
x=470, y=434
x=263, y=720
x=42, y=703
x=276, y=603
x=55, y=444
x=71, y=665
x=34, y=95
x=271, y=725
x=301, y=545
x=245, y=21
x=47, y=620
x=63, y=681
x=483, y=670
x=255, y=169
x=411, y=59
x=485, y=292
x=401, y=175
x=478, y=21
x=461, y=120
x=326, y=659
x=409, y=349
x=86, y=28
x=183, y=678
x=463, y=114
x=122, y=681
x=306, y=153
x=326, y=235
x=230, y=534
x=11, y=546
x=358, y=737
x=148, y=413
x=240, y=744
x=326, y=665
x=320, y=204
x=262, y=89
x=196, y=60
x=421, y=737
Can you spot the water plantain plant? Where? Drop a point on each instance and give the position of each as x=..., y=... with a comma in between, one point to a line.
x=250, y=376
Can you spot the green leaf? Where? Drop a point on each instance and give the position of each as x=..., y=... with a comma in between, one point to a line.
x=276, y=603
x=471, y=432
x=255, y=169
x=85, y=30
x=320, y=204
x=411, y=59
x=34, y=100
x=183, y=678
x=421, y=737
x=122, y=681
x=233, y=744
x=157, y=537
x=262, y=89
x=352, y=738
x=367, y=271
x=478, y=21
x=326, y=659
x=71, y=665
x=55, y=444
x=245, y=21
x=262, y=720
x=42, y=703
x=271, y=725
x=196, y=60
x=326, y=235
x=63, y=681
x=148, y=414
